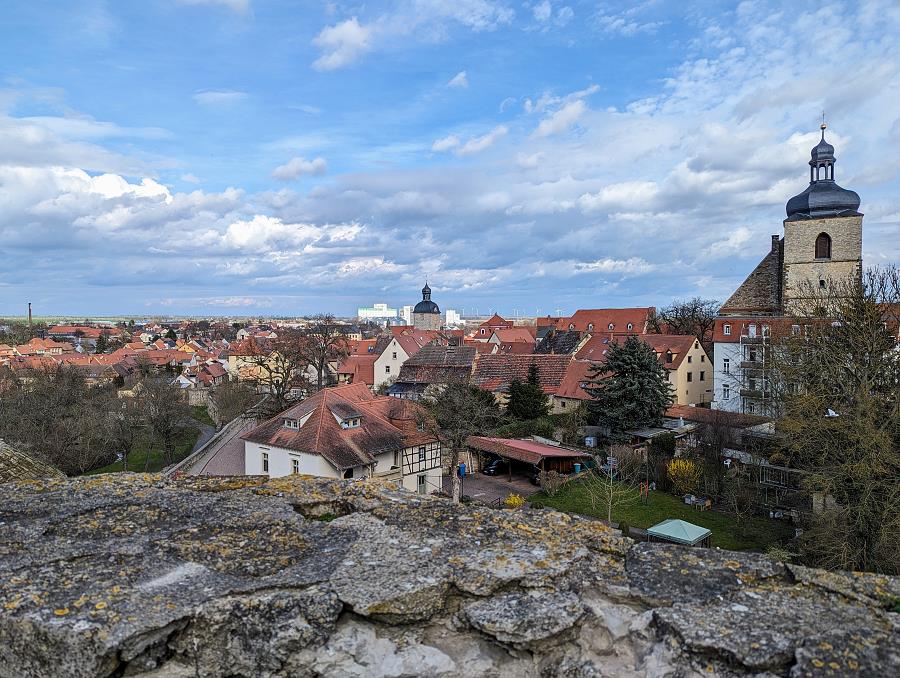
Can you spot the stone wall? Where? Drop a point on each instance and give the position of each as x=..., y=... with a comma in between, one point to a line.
x=127, y=574
x=800, y=263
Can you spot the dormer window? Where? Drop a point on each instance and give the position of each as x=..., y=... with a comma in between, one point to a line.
x=610, y=327
x=668, y=356
x=726, y=330
x=630, y=326
x=352, y=422
x=291, y=423
x=590, y=327
x=571, y=326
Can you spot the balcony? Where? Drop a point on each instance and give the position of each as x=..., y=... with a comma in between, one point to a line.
x=753, y=365
x=755, y=393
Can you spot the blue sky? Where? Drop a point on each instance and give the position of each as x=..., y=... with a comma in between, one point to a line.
x=265, y=156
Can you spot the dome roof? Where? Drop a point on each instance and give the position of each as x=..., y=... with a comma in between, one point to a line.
x=823, y=197
x=426, y=305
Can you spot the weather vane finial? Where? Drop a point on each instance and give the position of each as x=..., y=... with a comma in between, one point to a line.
x=823, y=125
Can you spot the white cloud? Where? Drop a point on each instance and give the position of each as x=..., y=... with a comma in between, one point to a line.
x=342, y=44
x=190, y=178
x=561, y=120
x=236, y=5
x=297, y=167
x=422, y=20
x=219, y=97
x=630, y=266
x=478, y=144
x=459, y=80
x=445, y=143
x=542, y=11
x=528, y=161
x=734, y=243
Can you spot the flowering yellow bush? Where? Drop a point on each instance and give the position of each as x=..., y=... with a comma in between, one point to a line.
x=684, y=474
x=514, y=501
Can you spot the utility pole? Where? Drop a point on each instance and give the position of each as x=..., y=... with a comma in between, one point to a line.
x=30, y=327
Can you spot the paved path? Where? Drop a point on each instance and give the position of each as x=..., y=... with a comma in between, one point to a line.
x=488, y=489
x=206, y=432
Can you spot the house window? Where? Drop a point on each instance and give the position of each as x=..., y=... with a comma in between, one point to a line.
x=690, y=359
x=590, y=327
x=751, y=408
x=610, y=327
x=563, y=404
x=396, y=463
x=795, y=330
x=422, y=453
x=630, y=326
x=420, y=425
x=295, y=466
x=387, y=369
x=571, y=326
x=726, y=330
x=823, y=246
x=726, y=365
x=751, y=330
x=765, y=330
x=422, y=484
x=348, y=473
x=702, y=375
x=702, y=358
x=668, y=356
x=265, y=462
x=395, y=355
x=690, y=377
x=482, y=331
x=291, y=423
x=726, y=391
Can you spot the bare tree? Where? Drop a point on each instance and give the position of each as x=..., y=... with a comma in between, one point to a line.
x=695, y=317
x=460, y=410
x=280, y=366
x=836, y=380
x=324, y=343
x=230, y=400
x=166, y=413
x=610, y=485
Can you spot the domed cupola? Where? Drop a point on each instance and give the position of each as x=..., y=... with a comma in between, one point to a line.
x=823, y=198
x=426, y=305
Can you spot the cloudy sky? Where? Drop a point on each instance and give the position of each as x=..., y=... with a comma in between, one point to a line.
x=285, y=157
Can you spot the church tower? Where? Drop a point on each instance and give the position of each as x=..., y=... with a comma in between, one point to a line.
x=822, y=232
x=426, y=315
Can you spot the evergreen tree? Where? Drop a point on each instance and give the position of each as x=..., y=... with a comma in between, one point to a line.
x=631, y=389
x=171, y=335
x=526, y=398
x=102, y=344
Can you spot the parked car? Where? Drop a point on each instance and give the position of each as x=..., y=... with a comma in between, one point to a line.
x=534, y=475
x=495, y=467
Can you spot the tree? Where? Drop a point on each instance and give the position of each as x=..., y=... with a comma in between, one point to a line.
x=684, y=474
x=694, y=317
x=280, y=366
x=527, y=399
x=836, y=381
x=102, y=343
x=230, y=400
x=323, y=343
x=166, y=413
x=171, y=334
x=610, y=485
x=631, y=389
x=457, y=411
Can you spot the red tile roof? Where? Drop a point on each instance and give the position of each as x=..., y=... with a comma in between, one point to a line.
x=600, y=319
x=576, y=374
x=496, y=321
x=495, y=372
x=528, y=451
x=511, y=335
x=359, y=368
x=386, y=424
x=705, y=415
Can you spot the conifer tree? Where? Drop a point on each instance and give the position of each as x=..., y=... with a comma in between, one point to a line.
x=631, y=389
x=526, y=398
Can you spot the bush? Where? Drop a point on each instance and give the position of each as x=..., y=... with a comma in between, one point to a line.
x=520, y=429
x=624, y=529
x=514, y=501
x=684, y=474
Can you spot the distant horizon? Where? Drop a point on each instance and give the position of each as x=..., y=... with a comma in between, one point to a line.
x=218, y=157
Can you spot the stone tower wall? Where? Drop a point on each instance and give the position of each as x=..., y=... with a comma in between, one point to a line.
x=800, y=263
x=426, y=321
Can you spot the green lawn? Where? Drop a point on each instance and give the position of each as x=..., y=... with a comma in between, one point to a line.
x=137, y=460
x=756, y=534
x=201, y=414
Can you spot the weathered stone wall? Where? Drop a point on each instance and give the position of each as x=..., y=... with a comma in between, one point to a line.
x=426, y=321
x=800, y=262
x=125, y=574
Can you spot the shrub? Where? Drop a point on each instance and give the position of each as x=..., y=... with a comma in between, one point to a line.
x=624, y=529
x=684, y=474
x=551, y=481
x=514, y=501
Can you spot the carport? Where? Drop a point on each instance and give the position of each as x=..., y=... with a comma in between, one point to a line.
x=528, y=452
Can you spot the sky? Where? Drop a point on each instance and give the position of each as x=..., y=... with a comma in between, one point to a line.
x=281, y=157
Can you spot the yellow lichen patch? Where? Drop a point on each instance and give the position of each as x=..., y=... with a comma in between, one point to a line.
x=13, y=604
x=61, y=611
x=100, y=605
x=818, y=663
x=732, y=564
x=826, y=646
x=834, y=665
x=81, y=601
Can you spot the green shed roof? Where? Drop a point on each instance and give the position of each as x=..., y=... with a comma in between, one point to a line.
x=679, y=531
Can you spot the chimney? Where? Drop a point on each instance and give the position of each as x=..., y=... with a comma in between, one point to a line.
x=30, y=331
x=776, y=241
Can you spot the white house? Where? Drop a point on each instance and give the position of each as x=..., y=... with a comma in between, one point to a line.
x=348, y=432
x=400, y=349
